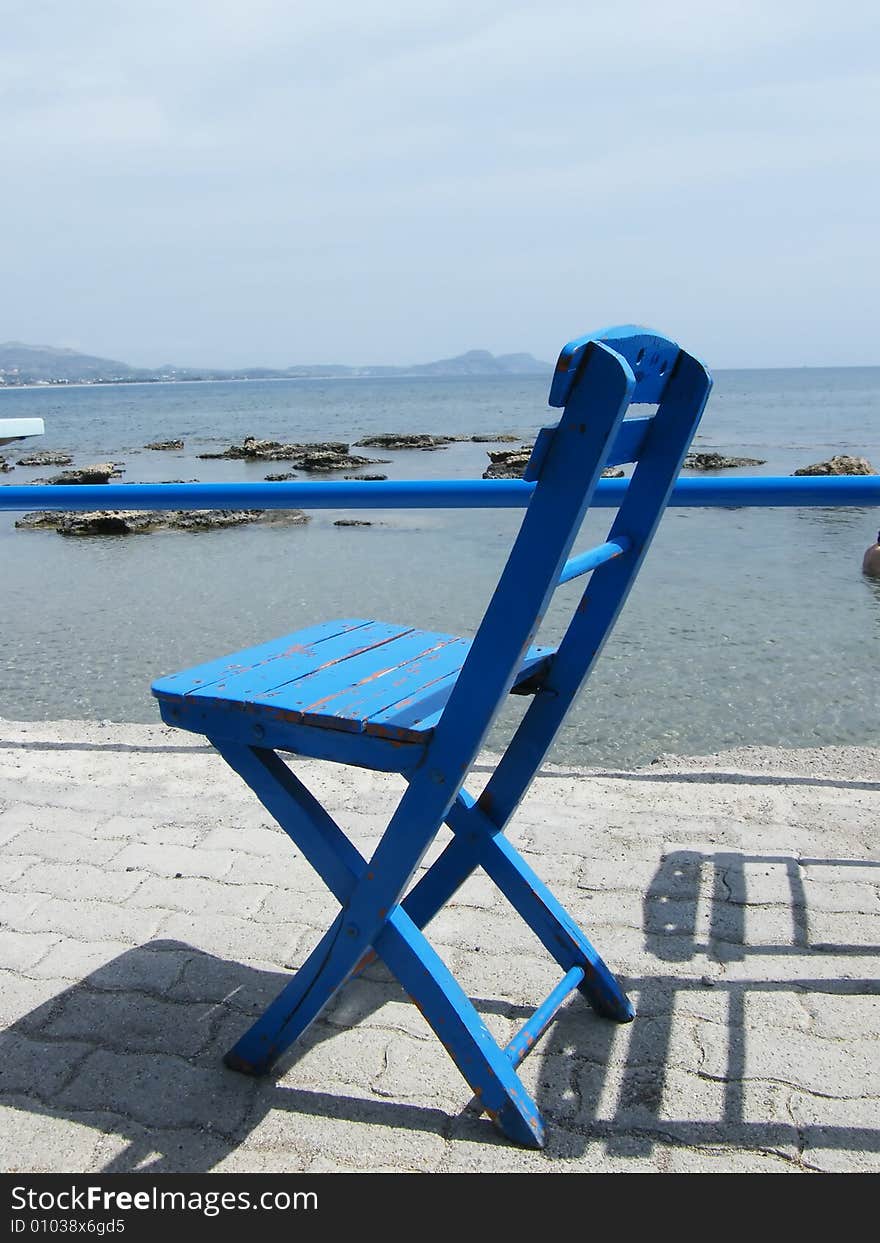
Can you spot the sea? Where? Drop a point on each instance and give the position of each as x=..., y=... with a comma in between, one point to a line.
x=746, y=626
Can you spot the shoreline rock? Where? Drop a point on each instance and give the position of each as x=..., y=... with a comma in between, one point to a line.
x=145, y=521
x=46, y=457
x=405, y=440
x=425, y=441
x=507, y=463
x=840, y=464
x=164, y=444
x=510, y=464
x=98, y=472
x=319, y=457
x=319, y=461
x=709, y=460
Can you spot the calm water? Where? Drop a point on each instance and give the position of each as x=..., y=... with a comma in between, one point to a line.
x=746, y=626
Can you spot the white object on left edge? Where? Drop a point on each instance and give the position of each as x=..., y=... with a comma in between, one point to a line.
x=17, y=429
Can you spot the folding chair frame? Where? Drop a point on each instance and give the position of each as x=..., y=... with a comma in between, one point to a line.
x=596, y=380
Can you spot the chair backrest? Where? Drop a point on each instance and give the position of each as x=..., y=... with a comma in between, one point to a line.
x=595, y=382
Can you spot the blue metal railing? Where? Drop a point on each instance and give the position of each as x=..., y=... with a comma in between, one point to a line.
x=859, y=490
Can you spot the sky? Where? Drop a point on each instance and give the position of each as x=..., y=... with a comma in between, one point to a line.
x=221, y=183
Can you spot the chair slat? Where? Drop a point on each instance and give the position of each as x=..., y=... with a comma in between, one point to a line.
x=422, y=714
x=584, y=562
x=651, y=360
x=532, y=1030
x=343, y=696
x=629, y=442
x=218, y=671
x=296, y=660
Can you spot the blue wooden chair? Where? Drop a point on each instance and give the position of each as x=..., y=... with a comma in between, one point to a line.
x=397, y=699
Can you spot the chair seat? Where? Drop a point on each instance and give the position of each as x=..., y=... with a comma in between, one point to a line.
x=354, y=675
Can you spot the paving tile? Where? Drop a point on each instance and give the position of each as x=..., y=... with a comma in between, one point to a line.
x=159, y=1090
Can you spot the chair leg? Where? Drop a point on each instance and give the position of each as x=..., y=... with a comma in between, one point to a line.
x=550, y=921
x=460, y=1029
x=478, y=842
x=296, y=810
x=402, y=946
x=346, y=945
x=451, y=1014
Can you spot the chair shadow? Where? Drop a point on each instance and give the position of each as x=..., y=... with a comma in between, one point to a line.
x=75, y=1058
x=134, y=1049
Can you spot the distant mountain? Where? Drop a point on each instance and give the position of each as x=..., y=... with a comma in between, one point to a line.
x=29, y=364
x=45, y=364
x=480, y=362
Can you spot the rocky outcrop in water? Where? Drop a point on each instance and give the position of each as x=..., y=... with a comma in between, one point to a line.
x=841, y=464
x=98, y=472
x=406, y=440
x=717, y=461
x=508, y=463
x=164, y=444
x=45, y=457
x=317, y=460
x=352, y=522
x=143, y=521
x=287, y=475
x=5, y=467
x=423, y=440
x=324, y=456
x=253, y=450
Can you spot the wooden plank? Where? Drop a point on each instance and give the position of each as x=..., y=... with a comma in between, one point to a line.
x=298, y=659
x=413, y=717
x=585, y=562
x=314, y=697
x=214, y=671
x=629, y=441
x=420, y=658
x=234, y=722
x=651, y=359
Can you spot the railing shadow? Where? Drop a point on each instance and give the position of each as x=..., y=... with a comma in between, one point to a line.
x=639, y=1116
x=678, y=890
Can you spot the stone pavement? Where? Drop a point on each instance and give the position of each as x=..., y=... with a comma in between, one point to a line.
x=148, y=908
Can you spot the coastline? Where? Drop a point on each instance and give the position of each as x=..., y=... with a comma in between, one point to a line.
x=54, y=385
x=149, y=905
